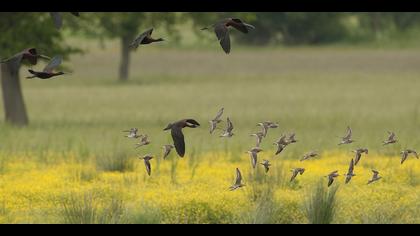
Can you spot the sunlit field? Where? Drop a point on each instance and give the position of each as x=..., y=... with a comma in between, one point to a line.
x=73, y=165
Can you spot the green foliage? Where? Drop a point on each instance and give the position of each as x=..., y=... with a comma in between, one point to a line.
x=321, y=204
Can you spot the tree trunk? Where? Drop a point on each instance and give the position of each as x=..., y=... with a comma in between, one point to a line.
x=125, y=58
x=14, y=106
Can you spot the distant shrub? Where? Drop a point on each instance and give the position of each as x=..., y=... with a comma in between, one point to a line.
x=321, y=204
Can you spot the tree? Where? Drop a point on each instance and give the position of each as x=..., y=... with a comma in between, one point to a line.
x=125, y=26
x=21, y=31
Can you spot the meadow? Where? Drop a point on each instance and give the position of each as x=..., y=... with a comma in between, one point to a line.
x=73, y=165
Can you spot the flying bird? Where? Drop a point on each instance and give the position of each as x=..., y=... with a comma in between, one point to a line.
x=266, y=165
x=221, y=29
x=30, y=55
x=48, y=71
x=58, y=20
x=405, y=153
x=281, y=144
x=132, y=133
x=350, y=172
x=295, y=172
x=291, y=138
x=331, y=177
x=143, y=141
x=359, y=152
x=216, y=120
x=391, y=138
x=347, y=138
x=375, y=177
x=144, y=38
x=146, y=158
x=178, y=136
x=265, y=125
x=167, y=149
x=238, y=181
x=228, y=131
x=309, y=155
x=253, y=154
x=259, y=136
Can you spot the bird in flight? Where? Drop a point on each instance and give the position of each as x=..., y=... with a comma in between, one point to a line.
x=405, y=153
x=281, y=144
x=253, y=154
x=221, y=29
x=266, y=165
x=238, y=181
x=30, y=55
x=331, y=176
x=375, y=177
x=309, y=155
x=144, y=140
x=359, y=152
x=227, y=133
x=350, y=172
x=265, y=125
x=132, y=133
x=144, y=38
x=216, y=120
x=146, y=158
x=178, y=136
x=295, y=172
x=48, y=71
x=167, y=149
x=347, y=138
x=391, y=138
x=259, y=136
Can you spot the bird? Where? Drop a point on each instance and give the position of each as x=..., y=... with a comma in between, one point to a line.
x=291, y=138
x=253, y=154
x=295, y=172
x=30, y=55
x=47, y=73
x=309, y=155
x=238, y=181
x=221, y=29
x=331, y=177
x=178, y=136
x=167, y=149
x=144, y=38
x=132, y=133
x=347, y=138
x=259, y=136
x=216, y=120
x=359, y=152
x=146, y=158
x=228, y=131
x=350, y=173
x=375, y=177
x=391, y=138
x=281, y=144
x=405, y=153
x=266, y=165
x=58, y=20
x=143, y=141
x=265, y=125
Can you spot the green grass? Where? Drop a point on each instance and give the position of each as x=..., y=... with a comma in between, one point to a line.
x=321, y=204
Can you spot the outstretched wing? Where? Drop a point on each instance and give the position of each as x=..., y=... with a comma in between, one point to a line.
x=295, y=172
x=229, y=125
x=178, y=138
x=351, y=167
x=54, y=63
x=238, y=177
x=219, y=114
x=148, y=167
x=58, y=20
x=238, y=24
x=192, y=121
x=391, y=136
x=222, y=34
x=348, y=134
x=136, y=42
x=254, y=159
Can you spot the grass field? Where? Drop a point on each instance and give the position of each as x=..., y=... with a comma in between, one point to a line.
x=72, y=164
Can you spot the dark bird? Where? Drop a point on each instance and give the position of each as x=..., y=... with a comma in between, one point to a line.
x=295, y=172
x=48, y=73
x=347, y=138
x=309, y=155
x=405, y=153
x=281, y=144
x=221, y=29
x=291, y=138
x=216, y=120
x=359, y=152
x=146, y=160
x=253, y=154
x=132, y=133
x=227, y=133
x=166, y=150
x=238, y=181
x=265, y=125
x=375, y=177
x=30, y=55
x=331, y=177
x=266, y=165
x=58, y=20
x=143, y=141
x=391, y=138
x=178, y=136
x=350, y=173
x=144, y=38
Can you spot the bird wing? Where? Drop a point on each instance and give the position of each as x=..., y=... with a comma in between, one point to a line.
x=375, y=174
x=254, y=159
x=136, y=42
x=391, y=136
x=229, y=125
x=178, y=138
x=238, y=24
x=148, y=167
x=55, y=61
x=58, y=21
x=192, y=121
x=279, y=149
x=212, y=126
x=238, y=179
x=219, y=114
x=222, y=34
x=295, y=172
x=348, y=134
x=330, y=180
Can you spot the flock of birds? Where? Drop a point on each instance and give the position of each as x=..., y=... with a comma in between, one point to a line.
x=221, y=29
x=281, y=143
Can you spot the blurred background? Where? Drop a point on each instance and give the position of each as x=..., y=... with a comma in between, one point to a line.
x=314, y=73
